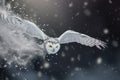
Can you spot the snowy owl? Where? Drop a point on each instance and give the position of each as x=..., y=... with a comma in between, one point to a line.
x=51, y=45
x=21, y=39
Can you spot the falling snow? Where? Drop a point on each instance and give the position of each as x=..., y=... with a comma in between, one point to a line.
x=39, y=74
x=68, y=64
x=71, y=4
x=85, y=3
x=87, y=12
x=46, y=65
x=115, y=43
x=110, y=1
x=106, y=31
x=99, y=60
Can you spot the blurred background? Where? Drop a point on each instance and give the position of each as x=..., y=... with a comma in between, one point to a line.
x=97, y=18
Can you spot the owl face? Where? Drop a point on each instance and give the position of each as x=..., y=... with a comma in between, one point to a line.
x=52, y=46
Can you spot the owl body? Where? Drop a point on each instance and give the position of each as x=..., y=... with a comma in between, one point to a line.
x=28, y=40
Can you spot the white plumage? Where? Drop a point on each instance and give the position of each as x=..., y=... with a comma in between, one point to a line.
x=33, y=31
x=72, y=36
x=22, y=35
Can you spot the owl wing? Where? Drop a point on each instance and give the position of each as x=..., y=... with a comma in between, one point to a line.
x=34, y=31
x=72, y=36
x=18, y=23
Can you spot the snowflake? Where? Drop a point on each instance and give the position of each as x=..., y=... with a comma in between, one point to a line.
x=55, y=15
x=72, y=74
x=71, y=4
x=13, y=75
x=77, y=14
x=46, y=65
x=78, y=57
x=55, y=3
x=115, y=43
x=39, y=74
x=6, y=78
x=18, y=74
x=77, y=69
x=5, y=66
x=110, y=1
x=63, y=54
x=16, y=65
x=85, y=3
x=72, y=59
x=53, y=78
x=87, y=12
x=66, y=48
x=99, y=60
x=106, y=31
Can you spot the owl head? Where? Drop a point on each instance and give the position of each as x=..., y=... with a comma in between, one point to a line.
x=52, y=45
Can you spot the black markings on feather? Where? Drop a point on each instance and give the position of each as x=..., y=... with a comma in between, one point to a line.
x=19, y=20
x=1, y=40
x=39, y=41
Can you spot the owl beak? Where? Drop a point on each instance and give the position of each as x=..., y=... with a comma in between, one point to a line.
x=53, y=50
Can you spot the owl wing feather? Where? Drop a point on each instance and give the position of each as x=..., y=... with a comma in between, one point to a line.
x=28, y=27
x=72, y=36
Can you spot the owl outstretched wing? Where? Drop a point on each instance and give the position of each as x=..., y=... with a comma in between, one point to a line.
x=29, y=28
x=72, y=36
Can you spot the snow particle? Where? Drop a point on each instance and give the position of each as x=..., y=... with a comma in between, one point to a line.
x=115, y=43
x=18, y=74
x=66, y=48
x=13, y=75
x=68, y=67
x=63, y=54
x=72, y=74
x=72, y=59
x=6, y=78
x=39, y=74
x=77, y=69
x=78, y=57
x=85, y=3
x=110, y=1
x=87, y=12
x=77, y=14
x=53, y=78
x=71, y=4
x=106, y=31
x=41, y=67
x=55, y=15
x=16, y=65
x=55, y=3
x=5, y=66
x=99, y=60
x=46, y=65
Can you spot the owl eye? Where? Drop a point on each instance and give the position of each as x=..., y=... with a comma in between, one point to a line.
x=56, y=46
x=50, y=46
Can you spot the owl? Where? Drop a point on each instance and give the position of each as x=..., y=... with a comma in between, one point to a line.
x=21, y=40
x=51, y=44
